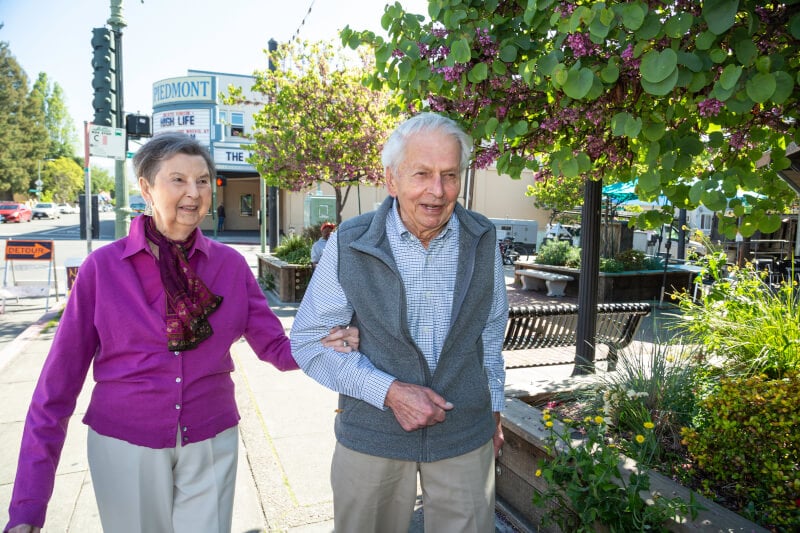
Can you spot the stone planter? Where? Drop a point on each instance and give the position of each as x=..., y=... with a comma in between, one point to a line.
x=516, y=481
x=632, y=286
x=286, y=280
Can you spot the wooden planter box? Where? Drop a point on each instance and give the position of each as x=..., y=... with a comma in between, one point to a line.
x=289, y=281
x=633, y=286
x=516, y=481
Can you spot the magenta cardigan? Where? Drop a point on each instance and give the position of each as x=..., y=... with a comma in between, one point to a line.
x=143, y=393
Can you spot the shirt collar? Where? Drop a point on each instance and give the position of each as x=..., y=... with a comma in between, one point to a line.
x=137, y=241
x=395, y=224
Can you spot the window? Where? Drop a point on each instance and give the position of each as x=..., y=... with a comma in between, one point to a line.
x=223, y=117
x=237, y=124
x=246, y=205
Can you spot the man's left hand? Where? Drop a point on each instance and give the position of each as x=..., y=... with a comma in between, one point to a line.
x=498, y=439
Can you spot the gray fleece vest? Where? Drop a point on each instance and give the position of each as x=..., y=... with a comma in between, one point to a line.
x=372, y=282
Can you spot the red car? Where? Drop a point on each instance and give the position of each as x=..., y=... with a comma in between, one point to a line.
x=15, y=212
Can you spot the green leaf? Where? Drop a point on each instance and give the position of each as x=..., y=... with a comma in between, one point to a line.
x=794, y=26
x=650, y=28
x=578, y=83
x=769, y=223
x=691, y=61
x=491, y=126
x=730, y=76
x=745, y=51
x=662, y=88
x=560, y=74
x=650, y=181
x=784, y=85
x=714, y=200
x=460, y=51
x=653, y=131
x=705, y=40
x=632, y=15
x=570, y=167
x=527, y=70
x=508, y=53
x=678, y=25
x=598, y=30
x=716, y=139
x=618, y=123
x=658, y=66
x=499, y=68
x=549, y=62
x=720, y=15
x=633, y=127
x=610, y=73
x=718, y=55
x=478, y=73
x=761, y=87
x=741, y=104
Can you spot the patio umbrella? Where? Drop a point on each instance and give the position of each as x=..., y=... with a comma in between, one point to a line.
x=623, y=191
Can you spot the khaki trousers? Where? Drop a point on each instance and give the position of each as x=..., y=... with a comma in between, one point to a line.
x=374, y=494
x=181, y=489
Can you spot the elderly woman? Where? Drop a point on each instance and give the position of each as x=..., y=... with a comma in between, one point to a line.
x=155, y=314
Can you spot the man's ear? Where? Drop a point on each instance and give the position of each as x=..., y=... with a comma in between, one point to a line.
x=391, y=185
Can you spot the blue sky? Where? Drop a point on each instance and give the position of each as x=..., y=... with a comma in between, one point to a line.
x=165, y=38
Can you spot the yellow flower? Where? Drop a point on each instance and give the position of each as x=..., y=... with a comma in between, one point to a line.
x=539, y=473
x=598, y=420
x=546, y=416
x=649, y=425
x=549, y=423
x=640, y=438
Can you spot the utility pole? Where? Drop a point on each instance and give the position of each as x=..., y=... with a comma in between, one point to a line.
x=122, y=224
x=273, y=191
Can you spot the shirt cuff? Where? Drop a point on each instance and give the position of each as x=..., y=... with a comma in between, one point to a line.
x=376, y=386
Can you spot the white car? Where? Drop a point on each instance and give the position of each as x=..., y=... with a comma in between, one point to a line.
x=45, y=210
x=67, y=209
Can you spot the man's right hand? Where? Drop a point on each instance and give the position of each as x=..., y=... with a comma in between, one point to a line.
x=414, y=406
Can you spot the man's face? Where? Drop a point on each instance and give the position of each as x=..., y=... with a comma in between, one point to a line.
x=427, y=183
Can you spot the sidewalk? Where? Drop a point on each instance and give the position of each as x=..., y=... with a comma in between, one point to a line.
x=286, y=429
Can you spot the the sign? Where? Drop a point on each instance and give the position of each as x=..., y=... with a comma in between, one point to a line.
x=29, y=250
x=231, y=158
x=193, y=122
x=184, y=89
x=106, y=142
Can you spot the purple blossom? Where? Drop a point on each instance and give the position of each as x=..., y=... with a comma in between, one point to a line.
x=737, y=141
x=709, y=107
x=581, y=44
x=398, y=53
x=487, y=156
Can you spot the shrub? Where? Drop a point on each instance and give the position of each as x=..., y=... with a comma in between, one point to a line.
x=754, y=327
x=749, y=445
x=585, y=485
x=554, y=253
x=653, y=263
x=611, y=265
x=295, y=250
x=631, y=259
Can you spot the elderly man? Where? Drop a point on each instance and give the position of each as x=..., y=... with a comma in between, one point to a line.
x=422, y=279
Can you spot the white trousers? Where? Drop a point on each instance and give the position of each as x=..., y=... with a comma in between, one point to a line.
x=374, y=494
x=171, y=490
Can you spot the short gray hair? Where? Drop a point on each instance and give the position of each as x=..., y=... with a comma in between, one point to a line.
x=148, y=159
x=395, y=147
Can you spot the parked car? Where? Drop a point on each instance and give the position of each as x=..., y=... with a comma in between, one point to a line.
x=46, y=210
x=67, y=209
x=2, y=219
x=15, y=212
x=137, y=205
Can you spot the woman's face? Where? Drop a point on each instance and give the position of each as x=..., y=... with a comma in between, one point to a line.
x=180, y=195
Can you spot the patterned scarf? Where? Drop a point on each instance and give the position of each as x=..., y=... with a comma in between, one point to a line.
x=189, y=302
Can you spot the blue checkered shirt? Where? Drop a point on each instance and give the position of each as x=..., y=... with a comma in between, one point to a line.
x=429, y=277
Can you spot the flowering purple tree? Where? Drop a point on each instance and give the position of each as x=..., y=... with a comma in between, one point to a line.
x=320, y=123
x=685, y=95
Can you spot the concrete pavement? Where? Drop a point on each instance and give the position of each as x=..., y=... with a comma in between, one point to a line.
x=286, y=429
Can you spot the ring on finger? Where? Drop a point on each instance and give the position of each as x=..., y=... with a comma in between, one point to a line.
x=345, y=344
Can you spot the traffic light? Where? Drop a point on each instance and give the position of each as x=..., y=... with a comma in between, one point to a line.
x=221, y=182
x=104, y=80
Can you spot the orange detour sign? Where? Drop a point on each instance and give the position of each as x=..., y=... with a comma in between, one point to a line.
x=29, y=250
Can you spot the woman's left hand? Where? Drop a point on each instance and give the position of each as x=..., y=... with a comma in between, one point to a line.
x=342, y=339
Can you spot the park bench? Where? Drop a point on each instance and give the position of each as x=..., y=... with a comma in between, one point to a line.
x=530, y=328
x=537, y=280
